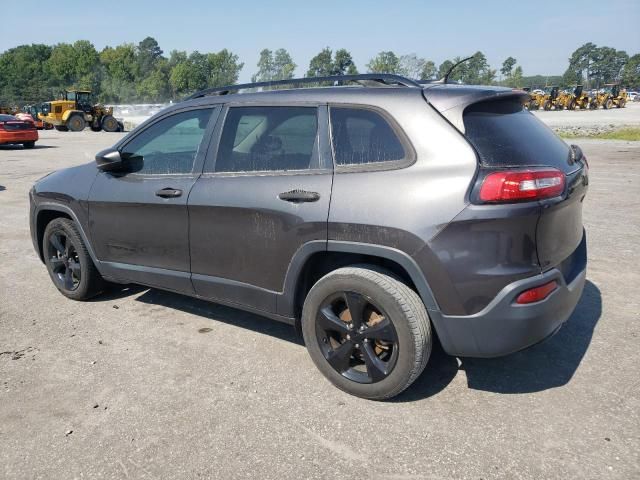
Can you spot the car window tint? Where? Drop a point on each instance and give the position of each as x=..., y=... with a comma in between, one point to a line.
x=268, y=139
x=169, y=146
x=495, y=129
x=362, y=136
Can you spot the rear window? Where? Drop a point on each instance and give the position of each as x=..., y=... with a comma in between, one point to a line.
x=505, y=134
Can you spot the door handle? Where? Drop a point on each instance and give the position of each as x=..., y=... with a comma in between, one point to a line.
x=169, y=193
x=299, y=196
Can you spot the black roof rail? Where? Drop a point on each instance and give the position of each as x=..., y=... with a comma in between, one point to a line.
x=381, y=78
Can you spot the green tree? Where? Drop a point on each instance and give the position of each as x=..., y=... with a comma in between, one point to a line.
x=148, y=53
x=507, y=66
x=274, y=66
x=429, y=70
x=322, y=64
x=74, y=66
x=325, y=63
x=24, y=77
x=411, y=65
x=631, y=71
x=515, y=80
x=343, y=63
x=384, y=62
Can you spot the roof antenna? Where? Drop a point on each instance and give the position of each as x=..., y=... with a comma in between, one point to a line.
x=445, y=79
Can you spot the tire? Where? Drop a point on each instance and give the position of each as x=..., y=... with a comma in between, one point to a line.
x=95, y=128
x=607, y=104
x=109, y=124
x=572, y=105
x=394, y=329
x=29, y=144
x=547, y=105
x=621, y=103
x=61, y=128
x=76, y=123
x=68, y=261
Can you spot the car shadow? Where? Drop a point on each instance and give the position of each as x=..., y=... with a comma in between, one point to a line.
x=203, y=308
x=20, y=147
x=549, y=364
x=2, y=188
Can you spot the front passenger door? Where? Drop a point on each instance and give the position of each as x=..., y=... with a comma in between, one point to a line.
x=139, y=222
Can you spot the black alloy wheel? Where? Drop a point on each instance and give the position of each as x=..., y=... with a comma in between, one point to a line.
x=356, y=337
x=62, y=256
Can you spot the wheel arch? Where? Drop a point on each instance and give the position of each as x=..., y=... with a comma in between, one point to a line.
x=313, y=261
x=44, y=214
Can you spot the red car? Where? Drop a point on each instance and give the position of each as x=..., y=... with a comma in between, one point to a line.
x=14, y=131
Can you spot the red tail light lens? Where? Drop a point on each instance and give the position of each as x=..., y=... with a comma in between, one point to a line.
x=517, y=185
x=536, y=294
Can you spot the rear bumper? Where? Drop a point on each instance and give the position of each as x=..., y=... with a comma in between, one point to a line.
x=505, y=327
x=19, y=136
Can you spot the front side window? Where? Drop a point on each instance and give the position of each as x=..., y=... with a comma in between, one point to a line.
x=169, y=146
x=363, y=136
x=258, y=139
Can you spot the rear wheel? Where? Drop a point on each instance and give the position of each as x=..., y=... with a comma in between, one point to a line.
x=76, y=123
x=109, y=124
x=68, y=261
x=29, y=144
x=608, y=104
x=366, y=331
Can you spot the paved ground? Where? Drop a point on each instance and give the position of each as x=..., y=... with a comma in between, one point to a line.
x=614, y=117
x=145, y=384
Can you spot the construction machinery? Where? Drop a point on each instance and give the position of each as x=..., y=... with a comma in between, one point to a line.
x=34, y=111
x=551, y=99
x=74, y=110
x=536, y=99
x=610, y=96
x=579, y=99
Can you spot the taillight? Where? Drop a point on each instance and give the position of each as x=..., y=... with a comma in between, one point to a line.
x=538, y=293
x=516, y=185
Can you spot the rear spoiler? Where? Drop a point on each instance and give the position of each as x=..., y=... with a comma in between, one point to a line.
x=452, y=100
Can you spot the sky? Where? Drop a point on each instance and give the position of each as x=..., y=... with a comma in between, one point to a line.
x=540, y=34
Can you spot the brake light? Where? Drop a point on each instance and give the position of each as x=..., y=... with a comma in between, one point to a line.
x=516, y=185
x=538, y=293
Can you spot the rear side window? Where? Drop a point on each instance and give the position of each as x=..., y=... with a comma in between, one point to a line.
x=505, y=134
x=256, y=139
x=362, y=136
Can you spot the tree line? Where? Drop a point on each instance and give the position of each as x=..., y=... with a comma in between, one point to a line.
x=142, y=72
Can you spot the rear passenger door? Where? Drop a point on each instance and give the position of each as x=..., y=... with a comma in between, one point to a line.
x=264, y=194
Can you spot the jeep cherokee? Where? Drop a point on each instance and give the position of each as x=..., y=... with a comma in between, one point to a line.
x=373, y=215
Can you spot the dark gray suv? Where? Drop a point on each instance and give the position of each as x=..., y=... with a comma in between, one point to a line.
x=374, y=215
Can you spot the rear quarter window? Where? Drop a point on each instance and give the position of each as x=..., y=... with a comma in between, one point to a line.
x=505, y=134
x=362, y=136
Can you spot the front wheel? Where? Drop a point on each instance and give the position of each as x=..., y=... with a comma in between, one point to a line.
x=109, y=124
x=68, y=261
x=366, y=331
x=76, y=123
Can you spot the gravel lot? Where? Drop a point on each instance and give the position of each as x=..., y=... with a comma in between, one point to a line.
x=141, y=383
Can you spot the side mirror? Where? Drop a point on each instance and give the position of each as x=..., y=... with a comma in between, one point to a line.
x=109, y=160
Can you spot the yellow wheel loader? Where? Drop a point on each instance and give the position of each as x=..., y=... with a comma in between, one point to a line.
x=74, y=110
x=580, y=99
